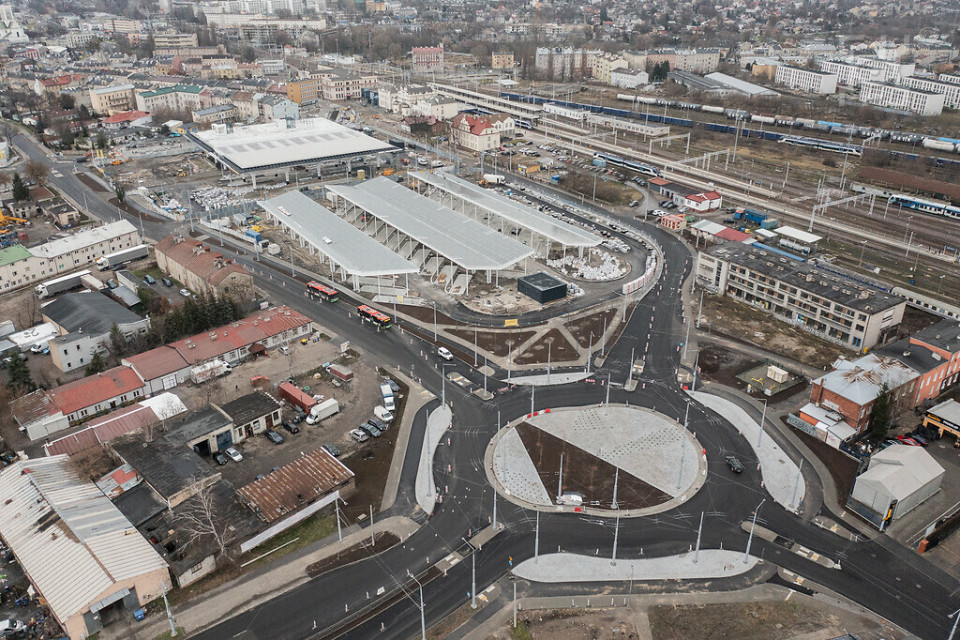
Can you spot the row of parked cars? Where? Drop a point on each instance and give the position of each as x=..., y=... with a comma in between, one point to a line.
x=372, y=428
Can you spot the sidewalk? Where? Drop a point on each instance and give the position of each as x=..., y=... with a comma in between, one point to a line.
x=417, y=397
x=250, y=590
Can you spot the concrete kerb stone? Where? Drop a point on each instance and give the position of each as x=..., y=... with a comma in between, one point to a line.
x=510, y=431
x=780, y=473
x=439, y=420
x=415, y=401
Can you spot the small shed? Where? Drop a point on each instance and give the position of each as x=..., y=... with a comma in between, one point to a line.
x=542, y=287
x=898, y=479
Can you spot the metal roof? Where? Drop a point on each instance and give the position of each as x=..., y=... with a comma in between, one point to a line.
x=82, y=239
x=275, y=145
x=72, y=542
x=348, y=246
x=453, y=235
x=522, y=215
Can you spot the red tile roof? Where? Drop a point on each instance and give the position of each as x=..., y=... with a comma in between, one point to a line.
x=127, y=116
x=733, y=235
x=57, y=81
x=658, y=181
x=477, y=124
x=157, y=363
x=198, y=259
x=89, y=391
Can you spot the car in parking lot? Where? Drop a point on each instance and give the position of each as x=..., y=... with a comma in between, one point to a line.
x=907, y=440
x=444, y=353
x=149, y=279
x=379, y=424
x=273, y=436
x=658, y=212
x=735, y=465
x=219, y=458
x=167, y=282
x=233, y=454
x=371, y=430
x=919, y=438
x=185, y=292
x=359, y=436
x=393, y=385
x=332, y=450
x=289, y=426
x=634, y=203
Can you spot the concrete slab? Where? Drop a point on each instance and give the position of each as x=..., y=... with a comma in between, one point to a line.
x=555, y=378
x=779, y=472
x=569, y=567
x=438, y=422
x=515, y=470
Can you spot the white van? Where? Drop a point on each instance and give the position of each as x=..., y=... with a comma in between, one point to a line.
x=383, y=413
x=284, y=349
x=572, y=499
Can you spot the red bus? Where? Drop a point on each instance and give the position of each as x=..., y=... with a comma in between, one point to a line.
x=322, y=291
x=369, y=314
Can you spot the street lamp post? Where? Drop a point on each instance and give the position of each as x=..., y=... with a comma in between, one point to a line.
x=423, y=620
x=473, y=575
x=746, y=555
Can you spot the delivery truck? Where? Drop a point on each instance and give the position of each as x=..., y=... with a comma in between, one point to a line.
x=61, y=284
x=323, y=410
x=387, y=394
x=119, y=258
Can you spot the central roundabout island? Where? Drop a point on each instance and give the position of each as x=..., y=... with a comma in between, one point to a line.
x=602, y=460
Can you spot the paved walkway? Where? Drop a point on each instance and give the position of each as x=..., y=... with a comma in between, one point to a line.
x=569, y=567
x=779, y=472
x=417, y=396
x=438, y=422
x=543, y=380
x=250, y=590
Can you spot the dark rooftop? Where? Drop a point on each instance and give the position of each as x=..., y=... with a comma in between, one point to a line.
x=943, y=335
x=541, y=281
x=196, y=425
x=166, y=466
x=92, y=313
x=250, y=407
x=803, y=276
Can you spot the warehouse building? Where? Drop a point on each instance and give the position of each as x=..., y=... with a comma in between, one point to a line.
x=898, y=480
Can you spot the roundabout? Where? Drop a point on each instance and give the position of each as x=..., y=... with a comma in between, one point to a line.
x=599, y=460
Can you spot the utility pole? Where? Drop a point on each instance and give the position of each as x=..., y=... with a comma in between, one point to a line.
x=607, y=401
x=509, y=358
x=956, y=619
x=423, y=619
x=173, y=624
x=533, y=393
x=536, y=541
x=473, y=575
x=763, y=418
x=337, y=506
x=696, y=554
x=616, y=535
x=616, y=480
x=746, y=555
x=373, y=538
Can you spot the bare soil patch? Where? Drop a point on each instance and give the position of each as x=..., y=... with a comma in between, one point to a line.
x=495, y=342
x=581, y=328
x=584, y=472
x=90, y=182
x=842, y=468
x=560, y=350
x=426, y=315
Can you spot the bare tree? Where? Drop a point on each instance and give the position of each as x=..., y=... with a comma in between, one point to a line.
x=201, y=519
x=5, y=180
x=37, y=171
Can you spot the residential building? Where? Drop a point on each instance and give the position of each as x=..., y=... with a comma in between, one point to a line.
x=949, y=90
x=855, y=71
x=604, y=63
x=174, y=40
x=179, y=97
x=475, y=133
x=344, y=85
x=806, y=80
x=427, y=59
x=556, y=63
x=278, y=108
x=20, y=266
x=629, y=78
x=502, y=60
x=43, y=412
x=216, y=113
x=167, y=366
x=80, y=39
x=252, y=414
x=395, y=99
x=202, y=270
x=891, y=70
x=700, y=61
x=127, y=119
x=84, y=322
x=56, y=84
x=439, y=107
x=821, y=303
x=892, y=96
x=304, y=91
x=80, y=554
x=114, y=99
x=852, y=387
x=934, y=353
x=272, y=67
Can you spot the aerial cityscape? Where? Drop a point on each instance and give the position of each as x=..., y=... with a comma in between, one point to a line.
x=549, y=320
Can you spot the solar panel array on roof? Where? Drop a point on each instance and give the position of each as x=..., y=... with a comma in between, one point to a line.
x=527, y=217
x=351, y=248
x=463, y=241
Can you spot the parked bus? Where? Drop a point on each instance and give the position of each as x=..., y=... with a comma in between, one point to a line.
x=322, y=291
x=369, y=314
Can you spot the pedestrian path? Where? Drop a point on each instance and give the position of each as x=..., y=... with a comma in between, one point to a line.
x=781, y=476
x=569, y=567
x=543, y=380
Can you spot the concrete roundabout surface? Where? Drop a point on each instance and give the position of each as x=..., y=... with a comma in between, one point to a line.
x=616, y=458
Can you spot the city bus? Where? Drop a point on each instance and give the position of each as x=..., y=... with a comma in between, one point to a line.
x=369, y=314
x=322, y=291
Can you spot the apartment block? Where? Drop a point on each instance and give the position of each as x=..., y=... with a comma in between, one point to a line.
x=502, y=60
x=893, y=96
x=949, y=90
x=111, y=100
x=304, y=92
x=821, y=303
x=806, y=80
x=427, y=59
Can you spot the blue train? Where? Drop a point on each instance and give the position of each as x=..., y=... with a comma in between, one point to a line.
x=740, y=116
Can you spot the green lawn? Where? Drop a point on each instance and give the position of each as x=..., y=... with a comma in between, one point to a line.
x=305, y=533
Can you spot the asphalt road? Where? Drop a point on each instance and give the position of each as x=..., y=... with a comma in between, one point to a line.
x=879, y=575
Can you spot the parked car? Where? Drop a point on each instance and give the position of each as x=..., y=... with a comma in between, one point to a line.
x=185, y=292
x=658, y=212
x=907, y=440
x=359, y=436
x=371, y=430
x=289, y=426
x=167, y=282
x=919, y=438
x=273, y=436
x=149, y=279
x=383, y=413
x=233, y=454
x=379, y=424
x=332, y=450
x=735, y=465
x=393, y=385
x=634, y=203
x=444, y=353
x=219, y=458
